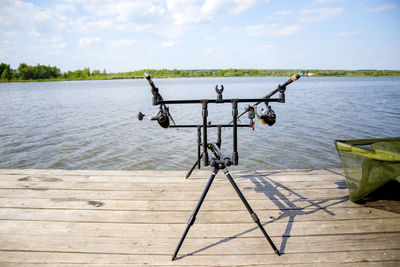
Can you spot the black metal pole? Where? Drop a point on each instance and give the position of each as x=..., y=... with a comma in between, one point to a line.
x=252, y=213
x=194, y=166
x=192, y=218
x=198, y=101
x=205, y=114
x=198, y=146
x=219, y=140
x=235, y=154
x=209, y=126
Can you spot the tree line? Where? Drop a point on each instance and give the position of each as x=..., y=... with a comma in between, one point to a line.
x=47, y=73
x=26, y=72
x=175, y=73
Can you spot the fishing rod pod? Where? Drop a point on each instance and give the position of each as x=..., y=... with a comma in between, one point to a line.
x=218, y=160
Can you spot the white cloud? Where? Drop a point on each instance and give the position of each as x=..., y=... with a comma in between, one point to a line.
x=210, y=38
x=268, y=47
x=86, y=41
x=308, y=14
x=125, y=11
x=196, y=11
x=213, y=6
x=132, y=16
x=83, y=24
x=122, y=43
x=169, y=18
x=318, y=14
x=22, y=19
x=322, y=2
x=381, y=8
x=141, y=11
x=18, y=16
x=279, y=14
x=168, y=44
x=273, y=30
x=344, y=34
x=184, y=12
x=59, y=45
x=63, y=7
x=232, y=6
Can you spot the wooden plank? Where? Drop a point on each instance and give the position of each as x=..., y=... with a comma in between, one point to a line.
x=198, y=246
x=318, y=264
x=186, y=205
x=86, y=183
x=164, y=176
x=108, y=173
x=200, y=260
x=55, y=183
x=205, y=171
x=226, y=193
x=277, y=229
x=173, y=175
x=221, y=216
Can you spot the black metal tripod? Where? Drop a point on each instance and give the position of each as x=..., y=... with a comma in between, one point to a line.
x=218, y=163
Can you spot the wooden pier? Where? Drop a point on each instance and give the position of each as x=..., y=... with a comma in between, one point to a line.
x=135, y=218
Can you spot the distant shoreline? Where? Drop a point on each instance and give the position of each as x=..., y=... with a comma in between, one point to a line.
x=86, y=74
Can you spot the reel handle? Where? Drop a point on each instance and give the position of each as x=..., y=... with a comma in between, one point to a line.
x=140, y=116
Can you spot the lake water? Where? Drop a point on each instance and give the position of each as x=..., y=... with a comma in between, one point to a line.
x=93, y=124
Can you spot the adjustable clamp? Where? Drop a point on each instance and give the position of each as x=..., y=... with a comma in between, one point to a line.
x=220, y=164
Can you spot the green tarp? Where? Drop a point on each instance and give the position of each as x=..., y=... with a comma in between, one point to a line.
x=368, y=164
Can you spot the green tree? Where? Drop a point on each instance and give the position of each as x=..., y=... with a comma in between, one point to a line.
x=4, y=66
x=86, y=72
x=96, y=73
x=175, y=73
x=77, y=74
x=25, y=72
x=6, y=75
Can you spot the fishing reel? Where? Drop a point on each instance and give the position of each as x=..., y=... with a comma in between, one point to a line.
x=163, y=116
x=268, y=116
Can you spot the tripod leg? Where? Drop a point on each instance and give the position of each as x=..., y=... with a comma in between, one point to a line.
x=194, y=166
x=252, y=213
x=192, y=218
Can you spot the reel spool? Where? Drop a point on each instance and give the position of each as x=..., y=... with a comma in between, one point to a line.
x=268, y=116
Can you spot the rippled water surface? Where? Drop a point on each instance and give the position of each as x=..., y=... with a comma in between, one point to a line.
x=93, y=124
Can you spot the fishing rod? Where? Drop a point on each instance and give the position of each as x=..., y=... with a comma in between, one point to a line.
x=268, y=116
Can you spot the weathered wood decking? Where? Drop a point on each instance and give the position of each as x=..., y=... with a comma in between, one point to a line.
x=137, y=217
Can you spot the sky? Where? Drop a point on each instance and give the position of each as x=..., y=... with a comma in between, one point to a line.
x=123, y=35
